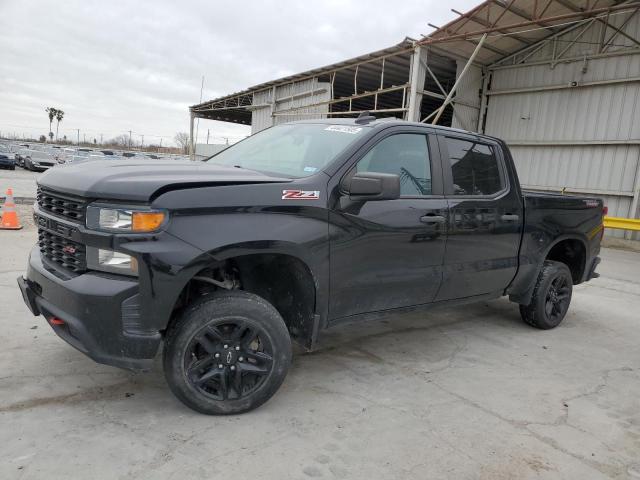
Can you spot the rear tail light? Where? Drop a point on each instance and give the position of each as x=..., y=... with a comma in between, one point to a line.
x=605, y=211
x=56, y=321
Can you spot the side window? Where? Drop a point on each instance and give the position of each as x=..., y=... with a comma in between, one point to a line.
x=406, y=155
x=475, y=168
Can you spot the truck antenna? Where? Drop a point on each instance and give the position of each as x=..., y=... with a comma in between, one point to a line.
x=364, y=118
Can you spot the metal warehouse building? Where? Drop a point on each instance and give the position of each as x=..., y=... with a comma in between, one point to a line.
x=559, y=80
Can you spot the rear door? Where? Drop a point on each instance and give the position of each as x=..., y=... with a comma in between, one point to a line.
x=388, y=254
x=485, y=217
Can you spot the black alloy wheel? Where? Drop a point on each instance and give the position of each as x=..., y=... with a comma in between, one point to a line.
x=227, y=353
x=228, y=360
x=558, y=299
x=551, y=296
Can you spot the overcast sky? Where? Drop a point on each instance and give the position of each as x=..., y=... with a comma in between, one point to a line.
x=115, y=66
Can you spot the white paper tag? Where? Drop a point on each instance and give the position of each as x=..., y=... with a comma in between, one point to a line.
x=343, y=129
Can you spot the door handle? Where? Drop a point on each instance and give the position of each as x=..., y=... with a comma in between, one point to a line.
x=508, y=217
x=433, y=219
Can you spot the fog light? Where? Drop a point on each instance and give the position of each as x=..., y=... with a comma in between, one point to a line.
x=111, y=261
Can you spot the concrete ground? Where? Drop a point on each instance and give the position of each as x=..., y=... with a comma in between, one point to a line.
x=23, y=182
x=465, y=393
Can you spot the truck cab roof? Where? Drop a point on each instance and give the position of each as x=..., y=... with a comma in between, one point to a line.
x=389, y=122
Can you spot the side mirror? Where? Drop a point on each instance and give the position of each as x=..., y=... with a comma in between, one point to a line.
x=374, y=186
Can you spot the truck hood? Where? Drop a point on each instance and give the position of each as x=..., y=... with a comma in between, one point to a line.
x=140, y=180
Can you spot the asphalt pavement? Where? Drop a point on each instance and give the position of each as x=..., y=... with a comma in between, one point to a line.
x=23, y=182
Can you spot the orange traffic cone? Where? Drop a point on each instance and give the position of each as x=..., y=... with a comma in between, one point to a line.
x=9, y=215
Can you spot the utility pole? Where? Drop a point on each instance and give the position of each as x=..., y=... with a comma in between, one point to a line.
x=160, y=147
x=78, y=136
x=207, y=136
x=129, y=139
x=84, y=138
x=198, y=124
x=100, y=139
x=142, y=142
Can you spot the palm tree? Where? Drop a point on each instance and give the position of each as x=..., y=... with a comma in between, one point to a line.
x=59, y=117
x=52, y=114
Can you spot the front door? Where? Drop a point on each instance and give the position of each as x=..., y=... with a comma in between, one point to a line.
x=388, y=254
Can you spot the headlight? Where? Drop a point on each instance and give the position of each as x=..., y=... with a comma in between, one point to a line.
x=111, y=261
x=124, y=220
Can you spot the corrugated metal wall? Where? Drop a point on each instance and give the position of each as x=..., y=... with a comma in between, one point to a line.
x=584, y=139
x=261, y=116
x=465, y=116
x=290, y=96
x=204, y=150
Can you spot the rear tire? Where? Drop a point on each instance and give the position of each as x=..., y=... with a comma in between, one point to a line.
x=227, y=354
x=551, y=297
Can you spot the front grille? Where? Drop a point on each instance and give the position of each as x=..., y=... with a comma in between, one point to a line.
x=66, y=253
x=62, y=205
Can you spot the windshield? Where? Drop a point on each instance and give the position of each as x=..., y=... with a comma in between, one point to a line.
x=292, y=150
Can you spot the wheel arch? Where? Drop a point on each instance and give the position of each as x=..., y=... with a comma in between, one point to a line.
x=522, y=291
x=572, y=251
x=281, y=274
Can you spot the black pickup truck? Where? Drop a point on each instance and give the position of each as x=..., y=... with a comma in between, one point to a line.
x=301, y=227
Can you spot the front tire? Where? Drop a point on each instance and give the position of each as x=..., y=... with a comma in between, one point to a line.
x=227, y=354
x=551, y=296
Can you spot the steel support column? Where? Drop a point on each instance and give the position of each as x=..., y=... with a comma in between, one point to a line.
x=192, y=151
x=486, y=80
x=633, y=209
x=417, y=75
x=447, y=100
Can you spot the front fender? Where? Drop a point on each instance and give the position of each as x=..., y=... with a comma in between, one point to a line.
x=218, y=235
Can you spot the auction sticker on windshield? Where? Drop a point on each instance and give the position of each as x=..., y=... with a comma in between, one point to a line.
x=300, y=194
x=343, y=129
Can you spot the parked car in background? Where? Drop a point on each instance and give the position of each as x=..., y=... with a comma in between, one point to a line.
x=20, y=154
x=136, y=155
x=79, y=158
x=7, y=160
x=65, y=155
x=22, y=151
x=36, y=160
x=13, y=147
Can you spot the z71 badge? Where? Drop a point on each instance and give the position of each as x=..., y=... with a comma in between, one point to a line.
x=300, y=194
